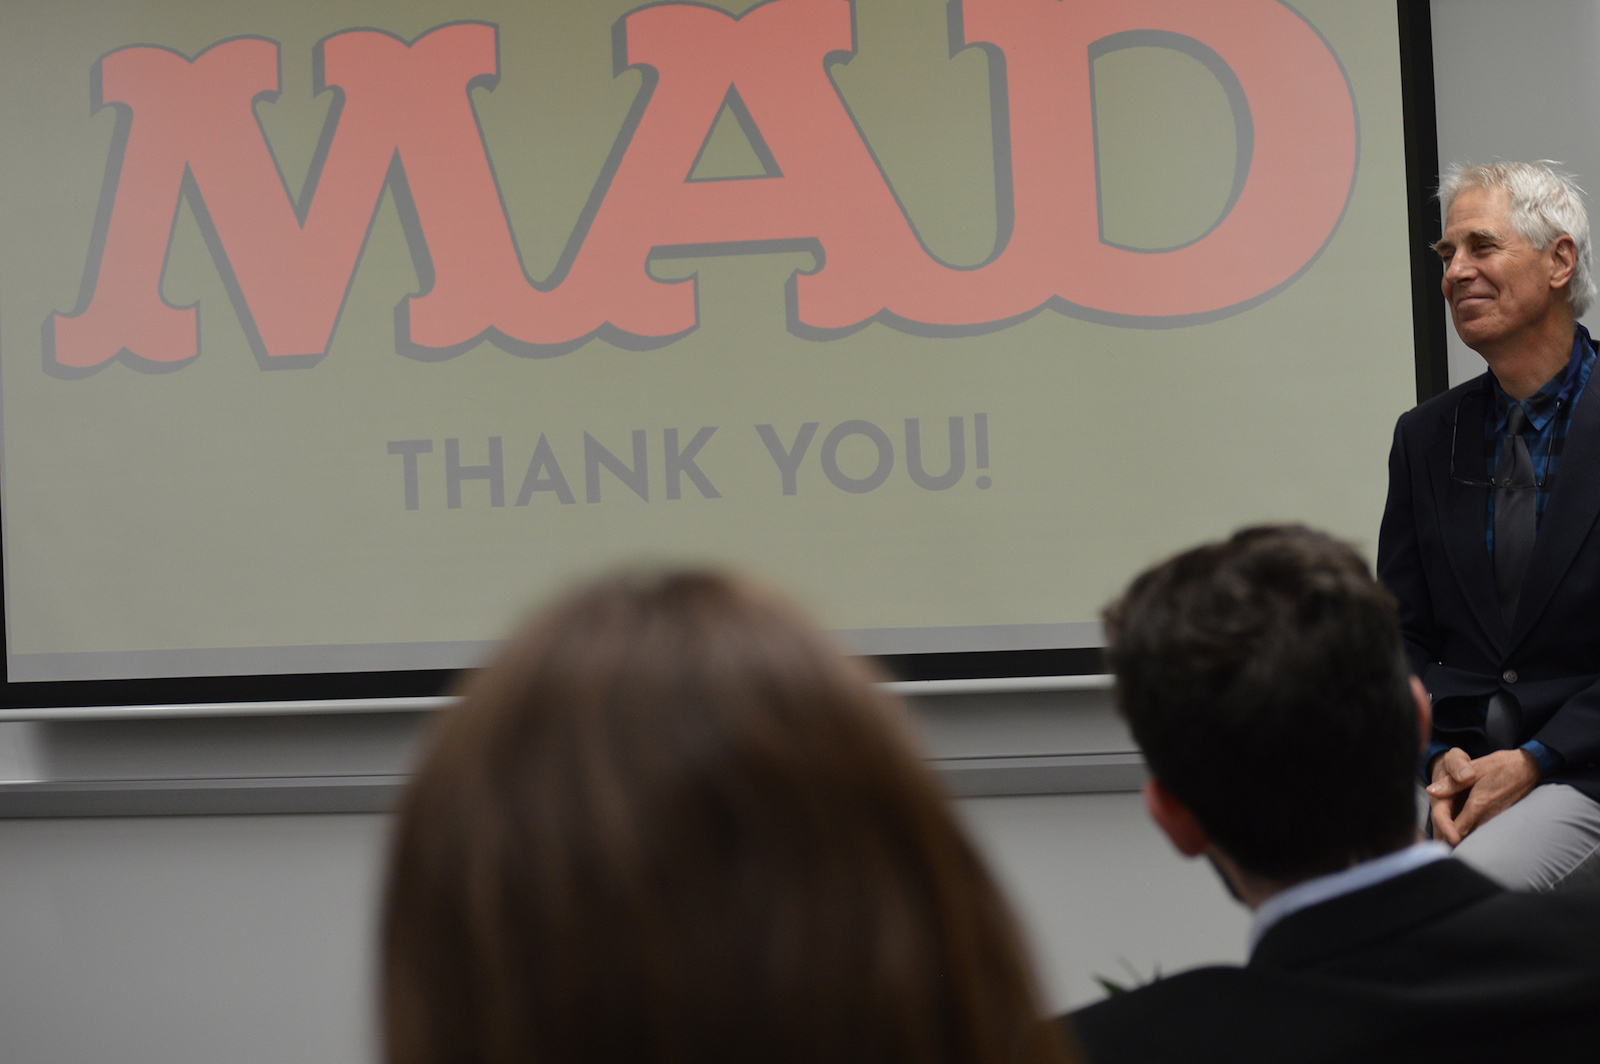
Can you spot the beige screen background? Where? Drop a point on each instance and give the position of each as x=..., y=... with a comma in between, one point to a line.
x=220, y=517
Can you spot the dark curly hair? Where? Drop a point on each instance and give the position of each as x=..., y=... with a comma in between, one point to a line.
x=1265, y=680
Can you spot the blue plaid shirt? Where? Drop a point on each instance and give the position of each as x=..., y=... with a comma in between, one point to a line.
x=1549, y=413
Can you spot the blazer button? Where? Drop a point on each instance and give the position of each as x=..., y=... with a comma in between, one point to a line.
x=1509, y=676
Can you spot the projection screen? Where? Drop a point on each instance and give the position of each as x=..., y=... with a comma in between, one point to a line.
x=333, y=334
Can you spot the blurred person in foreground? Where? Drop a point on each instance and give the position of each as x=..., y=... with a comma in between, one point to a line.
x=1265, y=679
x=670, y=822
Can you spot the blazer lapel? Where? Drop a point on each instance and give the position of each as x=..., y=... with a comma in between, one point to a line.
x=1463, y=508
x=1574, y=505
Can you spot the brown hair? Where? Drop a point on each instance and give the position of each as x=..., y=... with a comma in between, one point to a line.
x=671, y=823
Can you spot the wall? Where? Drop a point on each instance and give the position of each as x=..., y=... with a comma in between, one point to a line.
x=1512, y=81
x=193, y=939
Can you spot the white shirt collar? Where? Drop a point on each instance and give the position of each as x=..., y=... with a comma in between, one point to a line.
x=1311, y=892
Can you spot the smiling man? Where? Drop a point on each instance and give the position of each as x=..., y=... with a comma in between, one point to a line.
x=1490, y=540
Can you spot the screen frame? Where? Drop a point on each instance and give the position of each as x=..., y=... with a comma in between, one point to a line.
x=1415, y=42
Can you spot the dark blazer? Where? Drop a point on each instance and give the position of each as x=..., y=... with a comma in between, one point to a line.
x=1432, y=554
x=1439, y=964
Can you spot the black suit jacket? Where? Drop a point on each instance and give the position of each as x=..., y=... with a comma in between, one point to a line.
x=1432, y=554
x=1440, y=964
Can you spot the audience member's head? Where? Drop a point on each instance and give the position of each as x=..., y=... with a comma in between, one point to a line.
x=670, y=822
x=1265, y=680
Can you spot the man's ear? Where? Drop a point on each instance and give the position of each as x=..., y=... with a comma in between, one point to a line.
x=1564, y=259
x=1174, y=819
x=1424, y=711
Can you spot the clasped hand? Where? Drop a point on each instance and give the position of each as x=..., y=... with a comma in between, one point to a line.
x=1467, y=791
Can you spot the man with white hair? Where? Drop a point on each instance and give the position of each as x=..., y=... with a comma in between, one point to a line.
x=1490, y=539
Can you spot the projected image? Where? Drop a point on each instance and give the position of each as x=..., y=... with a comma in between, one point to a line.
x=328, y=345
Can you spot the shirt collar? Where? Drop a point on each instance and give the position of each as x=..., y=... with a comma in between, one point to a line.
x=1311, y=892
x=1555, y=394
x=1582, y=351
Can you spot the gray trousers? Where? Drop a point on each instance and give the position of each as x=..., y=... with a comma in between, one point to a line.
x=1550, y=837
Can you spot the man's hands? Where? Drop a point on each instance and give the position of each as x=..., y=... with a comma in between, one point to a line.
x=1466, y=792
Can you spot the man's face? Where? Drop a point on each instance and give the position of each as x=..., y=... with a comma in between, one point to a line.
x=1498, y=287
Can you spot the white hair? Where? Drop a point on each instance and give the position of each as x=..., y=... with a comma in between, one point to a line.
x=1545, y=203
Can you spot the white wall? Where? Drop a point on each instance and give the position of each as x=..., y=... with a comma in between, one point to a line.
x=1516, y=81
x=187, y=940
x=204, y=939
x=1102, y=893
x=238, y=940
